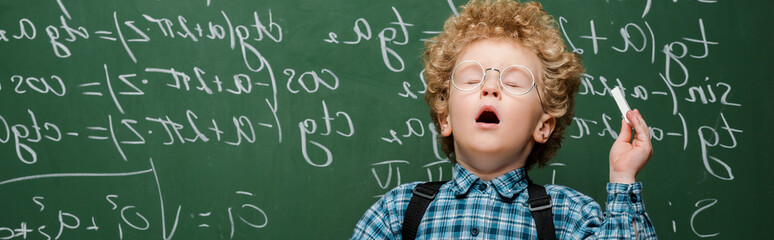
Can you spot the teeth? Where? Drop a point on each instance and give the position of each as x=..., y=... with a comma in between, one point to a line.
x=488, y=117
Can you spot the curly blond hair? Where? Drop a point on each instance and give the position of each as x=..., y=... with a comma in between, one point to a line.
x=531, y=26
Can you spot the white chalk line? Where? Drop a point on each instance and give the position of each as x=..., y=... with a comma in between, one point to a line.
x=59, y=175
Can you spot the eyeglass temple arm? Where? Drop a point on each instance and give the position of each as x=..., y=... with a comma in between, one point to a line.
x=540, y=98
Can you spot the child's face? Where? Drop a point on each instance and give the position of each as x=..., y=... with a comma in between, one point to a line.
x=520, y=121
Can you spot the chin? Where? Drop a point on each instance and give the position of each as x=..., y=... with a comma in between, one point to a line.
x=492, y=153
x=491, y=145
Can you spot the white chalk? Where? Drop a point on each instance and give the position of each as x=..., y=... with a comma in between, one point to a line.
x=621, y=101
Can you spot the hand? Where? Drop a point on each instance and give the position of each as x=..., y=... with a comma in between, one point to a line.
x=628, y=156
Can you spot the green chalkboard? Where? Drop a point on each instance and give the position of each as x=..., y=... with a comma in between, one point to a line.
x=287, y=119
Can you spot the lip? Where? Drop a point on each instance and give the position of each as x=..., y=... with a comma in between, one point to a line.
x=487, y=125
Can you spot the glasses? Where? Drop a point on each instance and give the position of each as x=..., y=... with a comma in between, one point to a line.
x=514, y=79
x=517, y=79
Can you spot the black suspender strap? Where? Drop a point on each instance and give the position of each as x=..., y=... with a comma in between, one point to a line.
x=423, y=194
x=540, y=206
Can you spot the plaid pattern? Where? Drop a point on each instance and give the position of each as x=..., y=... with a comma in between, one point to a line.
x=469, y=208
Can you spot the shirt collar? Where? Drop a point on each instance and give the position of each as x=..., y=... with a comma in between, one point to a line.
x=507, y=185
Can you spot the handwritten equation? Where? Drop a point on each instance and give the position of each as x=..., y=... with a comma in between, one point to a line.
x=136, y=83
x=132, y=218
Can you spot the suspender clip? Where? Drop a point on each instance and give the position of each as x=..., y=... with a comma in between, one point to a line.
x=425, y=192
x=540, y=203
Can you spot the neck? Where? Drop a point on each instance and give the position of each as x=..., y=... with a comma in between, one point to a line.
x=488, y=172
x=490, y=165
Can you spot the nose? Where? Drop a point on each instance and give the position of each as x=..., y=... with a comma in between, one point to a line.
x=491, y=85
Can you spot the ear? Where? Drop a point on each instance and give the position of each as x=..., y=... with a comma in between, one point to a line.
x=544, y=128
x=444, y=121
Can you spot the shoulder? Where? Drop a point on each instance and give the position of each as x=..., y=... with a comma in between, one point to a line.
x=383, y=220
x=400, y=193
x=384, y=217
x=405, y=191
x=396, y=200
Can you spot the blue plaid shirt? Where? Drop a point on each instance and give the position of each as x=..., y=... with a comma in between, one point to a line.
x=470, y=208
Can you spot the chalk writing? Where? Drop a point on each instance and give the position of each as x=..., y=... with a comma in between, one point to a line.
x=387, y=35
x=90, y=92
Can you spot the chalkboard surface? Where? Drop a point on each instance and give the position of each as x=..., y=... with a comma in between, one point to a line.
x=287, y=119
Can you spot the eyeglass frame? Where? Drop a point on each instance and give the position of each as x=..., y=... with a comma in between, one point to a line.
x=499, y=78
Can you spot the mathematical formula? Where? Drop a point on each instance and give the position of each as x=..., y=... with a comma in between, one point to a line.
x=256, y=108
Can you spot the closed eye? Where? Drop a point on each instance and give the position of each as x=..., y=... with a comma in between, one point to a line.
x=473, y=81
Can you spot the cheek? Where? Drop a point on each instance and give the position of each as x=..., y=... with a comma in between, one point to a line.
x=521, y=118
x=460, y=109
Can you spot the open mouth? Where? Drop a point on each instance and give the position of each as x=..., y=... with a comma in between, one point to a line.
x=487, y=115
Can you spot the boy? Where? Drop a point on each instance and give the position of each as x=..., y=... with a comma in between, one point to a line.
x=500, y=91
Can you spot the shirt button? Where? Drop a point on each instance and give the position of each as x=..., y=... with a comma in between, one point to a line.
x=633, y=197
x=482, y=187
x=474, y=231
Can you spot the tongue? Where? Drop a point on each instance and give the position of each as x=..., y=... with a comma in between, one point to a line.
x=488, y=117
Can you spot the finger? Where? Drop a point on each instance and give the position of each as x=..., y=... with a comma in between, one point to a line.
x=647, y=145
x=643, y=134
x=642, y=121
x=626, y=132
